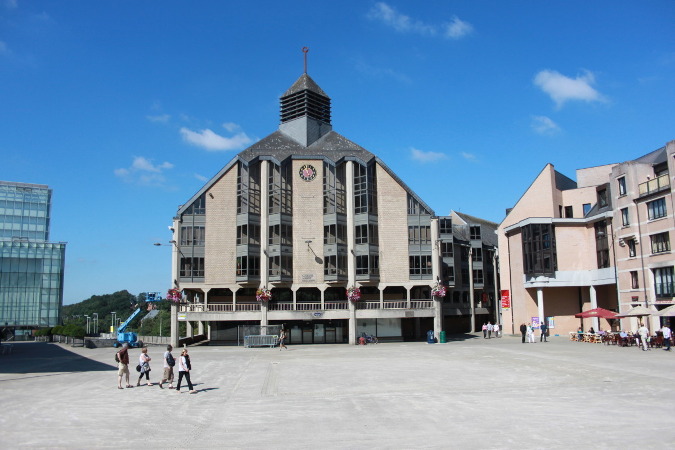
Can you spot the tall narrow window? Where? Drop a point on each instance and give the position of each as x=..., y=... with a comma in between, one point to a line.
x=569, y=213
x=474, y=232
x=631, y=248
x=621, y=182
x=625, y=220
x=587, y=208
x=602, y=244
x=602, y=198
x=634, y=282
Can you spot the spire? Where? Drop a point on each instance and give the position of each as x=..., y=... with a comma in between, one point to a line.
x=305, y=109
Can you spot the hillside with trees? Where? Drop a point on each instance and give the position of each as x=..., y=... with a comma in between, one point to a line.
x=123, y=303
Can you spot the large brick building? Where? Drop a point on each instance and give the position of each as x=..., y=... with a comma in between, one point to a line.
x=601, y=241
x=307, y=213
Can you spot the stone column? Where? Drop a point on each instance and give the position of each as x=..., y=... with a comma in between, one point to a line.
x=351, y=257
x=352, y=323
x=472, y=301
x=540, y=304
x=594, y=304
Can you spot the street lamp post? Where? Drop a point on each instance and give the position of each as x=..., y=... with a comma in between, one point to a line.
x=95, y=323
x=87, y=317
x=112, y=321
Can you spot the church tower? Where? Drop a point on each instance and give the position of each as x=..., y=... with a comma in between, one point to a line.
x=305, y=112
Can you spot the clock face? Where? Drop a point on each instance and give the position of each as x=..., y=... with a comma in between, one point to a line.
x=307, y=172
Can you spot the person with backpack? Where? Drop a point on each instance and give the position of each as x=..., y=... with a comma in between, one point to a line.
x=144, y=366
x=169, y=362
x=184, y=368
x=122, y=358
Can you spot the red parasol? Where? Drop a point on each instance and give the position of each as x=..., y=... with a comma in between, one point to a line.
x=601, y=313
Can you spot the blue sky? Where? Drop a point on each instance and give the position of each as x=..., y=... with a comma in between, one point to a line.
x=127, y=108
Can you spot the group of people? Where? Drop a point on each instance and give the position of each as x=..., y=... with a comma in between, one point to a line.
x=489, y=328
x=527, y=332
x=183, y=362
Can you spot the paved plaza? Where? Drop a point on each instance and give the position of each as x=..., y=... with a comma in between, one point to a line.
x=468, y=393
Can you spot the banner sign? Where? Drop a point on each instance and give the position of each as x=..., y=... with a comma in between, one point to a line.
x=506, y=299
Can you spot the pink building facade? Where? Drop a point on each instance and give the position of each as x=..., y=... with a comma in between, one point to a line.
x=600, y=241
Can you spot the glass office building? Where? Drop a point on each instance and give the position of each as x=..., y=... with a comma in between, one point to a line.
x=31, y=267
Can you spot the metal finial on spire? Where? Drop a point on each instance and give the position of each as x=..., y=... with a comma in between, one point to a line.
x=305, y=50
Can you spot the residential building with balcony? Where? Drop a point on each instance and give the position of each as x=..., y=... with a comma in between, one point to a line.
x=601, y=241
x=307, y=213
x=31, y=267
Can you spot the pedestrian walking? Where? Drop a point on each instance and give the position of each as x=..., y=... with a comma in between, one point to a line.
x=485, y=331
x=490, y=328
x=530, y=334
x=544, y=330
x=666, y=337
x=184, y=368
x=123, y=366
x=523, y=330
x=496, y=328
x=282, y=339
x=144, y=362
x=169, y=363
x=643, y=331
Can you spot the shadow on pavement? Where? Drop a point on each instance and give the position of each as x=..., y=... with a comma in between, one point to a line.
x=42, y=357
x=461, y=337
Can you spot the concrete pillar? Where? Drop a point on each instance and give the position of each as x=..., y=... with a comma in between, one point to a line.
x=352, y=323
x=594, y=304
x=351, y=257
x=540, y=304
x=407, y=297
x=189, y=332
x=200, y=327
x=263, y=317
x=472, y=300
x=438, y=318
x=174, y=325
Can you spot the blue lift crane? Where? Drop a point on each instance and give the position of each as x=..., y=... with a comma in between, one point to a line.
x=130, y=337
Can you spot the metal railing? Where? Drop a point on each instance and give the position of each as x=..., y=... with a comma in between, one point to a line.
x=313, y=306
x=657, y=184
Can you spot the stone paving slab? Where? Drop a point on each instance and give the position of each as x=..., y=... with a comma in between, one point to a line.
x=468, y=393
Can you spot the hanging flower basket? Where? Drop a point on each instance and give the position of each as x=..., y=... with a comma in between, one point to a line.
x=354, y=294
x=263, y=295
x=438, y=290
x=174, y=296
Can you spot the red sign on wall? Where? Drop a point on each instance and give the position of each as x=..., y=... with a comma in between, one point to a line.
x=506, y=299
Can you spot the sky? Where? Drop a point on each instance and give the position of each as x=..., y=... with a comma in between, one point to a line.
x=126, y=108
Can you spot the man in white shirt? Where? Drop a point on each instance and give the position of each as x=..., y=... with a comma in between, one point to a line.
x=643, y=331
x=666, y=337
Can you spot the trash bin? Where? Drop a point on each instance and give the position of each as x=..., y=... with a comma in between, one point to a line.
x=443, y=341
x=430, y=337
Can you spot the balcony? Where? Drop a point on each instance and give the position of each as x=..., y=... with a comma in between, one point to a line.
x=301, y=306
x=656, y=185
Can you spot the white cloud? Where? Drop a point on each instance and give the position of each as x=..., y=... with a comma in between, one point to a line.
x=213, y=142
x=544, y=125
x=457, y=29
x=426, y=157
x=201, y=178
x=231, y=127
x=11, y=4
x=142, y=171
x=162, y=118
x=402, y=23
x=3, y=48
x=377, y=72
x=469, y=156
x=562, y=89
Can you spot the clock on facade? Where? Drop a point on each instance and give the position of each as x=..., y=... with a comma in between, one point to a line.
x=307, y=172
